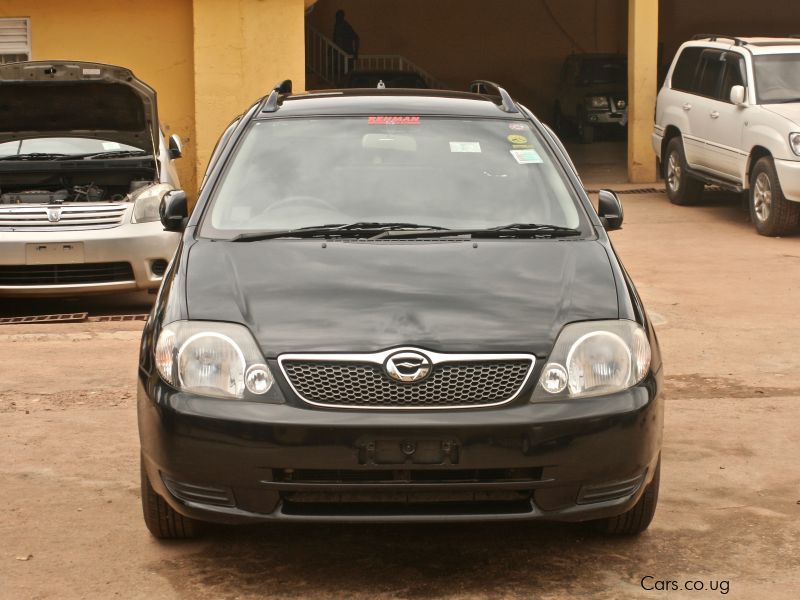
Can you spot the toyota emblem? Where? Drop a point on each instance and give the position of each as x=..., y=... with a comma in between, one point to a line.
x=408, y=367
x=54, y=215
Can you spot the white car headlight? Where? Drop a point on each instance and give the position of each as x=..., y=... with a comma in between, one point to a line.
x=146, y=202
x=212, y=359
x=594, y=358
x=794, y=142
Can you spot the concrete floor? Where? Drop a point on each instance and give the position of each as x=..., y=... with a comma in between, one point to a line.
x=725, y=303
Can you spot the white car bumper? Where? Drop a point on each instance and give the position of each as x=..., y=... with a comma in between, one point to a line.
x=789, y=176
x=128, y=257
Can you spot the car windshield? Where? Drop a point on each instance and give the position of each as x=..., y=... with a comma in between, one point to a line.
x=777, y=78
x=61, y=145
x=439, y=172
x=604, y=70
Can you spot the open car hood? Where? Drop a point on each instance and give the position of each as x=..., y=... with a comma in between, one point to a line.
x=77, y=99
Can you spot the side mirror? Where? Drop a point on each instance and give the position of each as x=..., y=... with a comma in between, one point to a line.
x=609, y=209
x=173, y=210
x=175, y=146
x=737, y=95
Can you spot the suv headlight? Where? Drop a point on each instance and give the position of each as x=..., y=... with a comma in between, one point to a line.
x=214, y=359
x=146, y=202
x=597, y=101
x=593, y=358
x=794, y=143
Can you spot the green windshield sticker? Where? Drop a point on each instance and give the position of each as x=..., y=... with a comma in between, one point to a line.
x=527, y=157
x=465, y=147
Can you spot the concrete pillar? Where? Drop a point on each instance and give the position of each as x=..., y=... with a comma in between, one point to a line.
x=642, y=82
x=242, y=48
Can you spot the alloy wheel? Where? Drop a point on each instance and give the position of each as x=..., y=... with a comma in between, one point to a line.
x=762, y=197
x=674, y=172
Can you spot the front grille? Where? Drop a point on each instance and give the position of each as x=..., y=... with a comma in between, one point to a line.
x=69, y=274
x=61, y=217
x=365, y=384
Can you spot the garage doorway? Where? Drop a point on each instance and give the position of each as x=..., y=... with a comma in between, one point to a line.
x=521, y=44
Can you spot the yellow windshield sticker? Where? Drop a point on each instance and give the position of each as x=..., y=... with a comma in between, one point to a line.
x=517, y=139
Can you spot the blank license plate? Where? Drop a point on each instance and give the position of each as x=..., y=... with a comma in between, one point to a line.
x=58, y=253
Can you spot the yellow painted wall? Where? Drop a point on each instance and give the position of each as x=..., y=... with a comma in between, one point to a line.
x=151, y=37
x=242, y=48
x=642, y=72
x=521, y=44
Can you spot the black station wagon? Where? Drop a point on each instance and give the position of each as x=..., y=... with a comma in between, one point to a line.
x=394, y=306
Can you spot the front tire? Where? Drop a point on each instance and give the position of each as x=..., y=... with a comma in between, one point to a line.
x=638, y=518
x=682, y=188
x=161, y=519
x=771, y=213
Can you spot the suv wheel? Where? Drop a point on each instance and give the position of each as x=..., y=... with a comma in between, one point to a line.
x=638, y=518
x=161, y=519
x=770, y=211
x=682, y=188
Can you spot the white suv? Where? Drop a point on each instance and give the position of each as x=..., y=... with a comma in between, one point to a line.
x=729, y=115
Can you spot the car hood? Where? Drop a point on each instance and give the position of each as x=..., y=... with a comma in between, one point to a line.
x=76, y=99
x=445, y=296
x=789, y=111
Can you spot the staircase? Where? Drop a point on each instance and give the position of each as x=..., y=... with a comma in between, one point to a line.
x=327, y=64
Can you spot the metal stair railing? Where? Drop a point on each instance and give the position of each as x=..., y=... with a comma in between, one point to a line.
x=394, y=62
x=331, y=64
x=324, y=58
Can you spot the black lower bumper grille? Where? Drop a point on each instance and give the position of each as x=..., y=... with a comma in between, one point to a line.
x=70, y=274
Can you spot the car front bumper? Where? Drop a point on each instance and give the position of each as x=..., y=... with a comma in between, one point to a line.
x=604, y=117
x=789, y=176
x=139, y=244
x=237, y=462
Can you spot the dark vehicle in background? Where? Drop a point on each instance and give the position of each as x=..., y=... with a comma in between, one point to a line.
x=390, y=79
x=418, y=317
x=592, y=94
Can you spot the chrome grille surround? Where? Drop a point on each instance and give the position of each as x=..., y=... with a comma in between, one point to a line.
x=359, y=381
x=29, y=217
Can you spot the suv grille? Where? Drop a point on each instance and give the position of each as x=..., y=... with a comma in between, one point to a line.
x=67, y=274
x=463, y=383
x=64, y=217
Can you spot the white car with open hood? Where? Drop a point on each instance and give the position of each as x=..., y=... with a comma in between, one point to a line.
x=83, y=168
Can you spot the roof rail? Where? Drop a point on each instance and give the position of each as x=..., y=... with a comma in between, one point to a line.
x=713, y=37
x=481, y=86
x=283, y=87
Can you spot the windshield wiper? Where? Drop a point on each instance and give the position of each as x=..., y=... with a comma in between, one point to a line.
x=531, y=230
x=105, y=154
x=335, y=230
x=33, y=156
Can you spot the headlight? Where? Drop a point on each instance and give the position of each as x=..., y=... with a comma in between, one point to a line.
x=597, y=101
x=794, y=142
x=594, y=358
x=213, y=359
x=146, y=201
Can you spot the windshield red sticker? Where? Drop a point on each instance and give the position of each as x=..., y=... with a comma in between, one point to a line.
x=394, y=120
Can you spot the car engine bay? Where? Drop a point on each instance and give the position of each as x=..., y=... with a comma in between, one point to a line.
x=78, y=187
